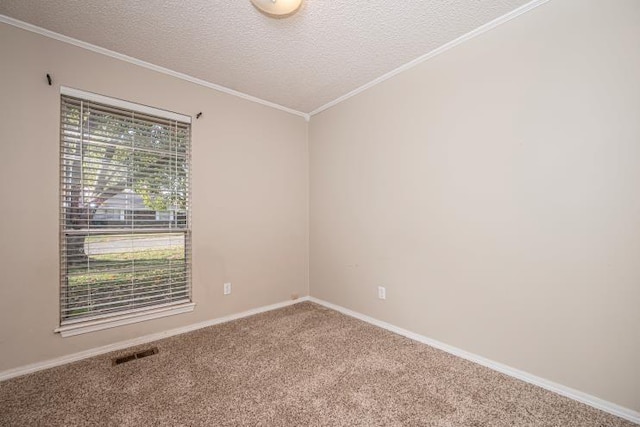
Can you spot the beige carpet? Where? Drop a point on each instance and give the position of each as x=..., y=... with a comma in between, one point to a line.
x=303, y=365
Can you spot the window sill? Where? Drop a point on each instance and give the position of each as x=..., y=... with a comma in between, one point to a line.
x=112, y=322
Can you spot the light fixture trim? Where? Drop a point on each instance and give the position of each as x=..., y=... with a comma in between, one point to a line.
x=277, y=8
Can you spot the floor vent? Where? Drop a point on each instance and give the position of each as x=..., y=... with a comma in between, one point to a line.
x=133, y=356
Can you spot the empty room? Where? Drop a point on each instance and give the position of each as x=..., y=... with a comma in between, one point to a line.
x=320, y=213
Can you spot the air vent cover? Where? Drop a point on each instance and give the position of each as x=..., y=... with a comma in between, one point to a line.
x=133, y=356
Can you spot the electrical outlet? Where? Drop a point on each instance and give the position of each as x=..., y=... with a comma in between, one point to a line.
x=227, y=288
x=382, y=292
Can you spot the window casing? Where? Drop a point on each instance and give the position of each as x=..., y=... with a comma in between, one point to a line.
x=121, y=164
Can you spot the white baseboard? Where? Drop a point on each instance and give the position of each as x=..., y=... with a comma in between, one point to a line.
x=560, y=389
x=63, y=360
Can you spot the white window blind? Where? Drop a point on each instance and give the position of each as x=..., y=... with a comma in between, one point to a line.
x=125, y=238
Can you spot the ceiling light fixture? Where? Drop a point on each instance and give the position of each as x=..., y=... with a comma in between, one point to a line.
x=277, y=8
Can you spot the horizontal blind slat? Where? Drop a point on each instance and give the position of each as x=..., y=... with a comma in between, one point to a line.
x=120, y=311
x=128, y=299
x=97, y=308
x=176, y=292
x=125, y=184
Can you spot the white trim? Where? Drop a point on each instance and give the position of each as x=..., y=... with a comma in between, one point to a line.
x=596, y=402
x=307, y=116
x=120, y=103
x=79, y=43
x=445, y=47
x=84, y=327
x=63, y=360
x=587, y=399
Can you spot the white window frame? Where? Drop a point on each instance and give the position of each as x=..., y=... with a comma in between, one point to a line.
x=86, y=325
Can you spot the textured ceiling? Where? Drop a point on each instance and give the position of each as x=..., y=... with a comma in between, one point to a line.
x=302, y=62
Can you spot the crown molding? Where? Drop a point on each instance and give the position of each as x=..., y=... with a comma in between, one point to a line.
x=307, y=116
x=445, y=47
x=88, y=46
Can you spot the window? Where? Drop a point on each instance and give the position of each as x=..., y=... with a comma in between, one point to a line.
x=164, y=216
x=121, y=165
x=109, y=214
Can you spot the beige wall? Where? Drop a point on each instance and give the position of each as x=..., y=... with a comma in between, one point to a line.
x=494, y=191
x=250, y=194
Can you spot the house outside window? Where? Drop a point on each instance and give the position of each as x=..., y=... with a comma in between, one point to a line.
x=165, y=216
x=106, y=214
x=125, y=234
